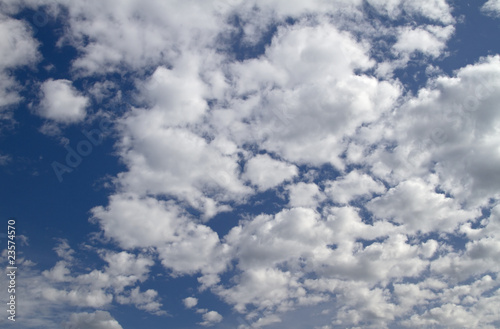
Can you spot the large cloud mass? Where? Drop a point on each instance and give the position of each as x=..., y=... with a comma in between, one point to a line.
x=384, y=202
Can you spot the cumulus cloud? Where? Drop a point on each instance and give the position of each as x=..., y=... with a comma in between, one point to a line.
x=146, y=300
x=418, y=207
x=305, y=195
x=18, y=48
x=351, y=186
x=211, y=318
x=61, y=102
x=175, y=237
x=317, y=101
x=491, y=7
x=309, y=100
x=449, y=128
x=430, y=40
x=386, y=202
x=177, y=94
x=190, y=302
x=266, y=172
x=173, y=161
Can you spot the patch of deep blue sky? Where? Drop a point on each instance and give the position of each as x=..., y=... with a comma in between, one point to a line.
x=47, y=209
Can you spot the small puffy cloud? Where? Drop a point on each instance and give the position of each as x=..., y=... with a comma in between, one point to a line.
x=430, y=40
x=190, y=302
x=146, y=300
x=267, y=320
x=355, y=184
x=123, y=263
x=58, y=273
x=438, y=10
x=491, y=7
x=96, y=320
x=17, y=47
x=82, y=297
x=61, y=102
x=211, y=318
x=304, y=195
x=265, y=172
x=427, y=40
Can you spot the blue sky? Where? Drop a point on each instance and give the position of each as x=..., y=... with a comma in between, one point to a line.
x=252, y=164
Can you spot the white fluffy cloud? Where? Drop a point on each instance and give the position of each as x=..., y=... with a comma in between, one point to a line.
x=449, y=128
x=351, y=186
x=174, y=234
x=430, y=40
x=18, y=48
x=309, y=100
x=147, y=300
x=211, y=318
x=61, y=102
x=379, y=188
x=177, y=94
x=266, y=172
x=417, y=206
x=305, y=195
x=316, y=101
x=190, y=302
x=491, y=7
x=177, y=162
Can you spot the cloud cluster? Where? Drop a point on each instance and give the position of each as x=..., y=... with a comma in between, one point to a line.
x=98, y=288
x=63, y=291
x=386, y=202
